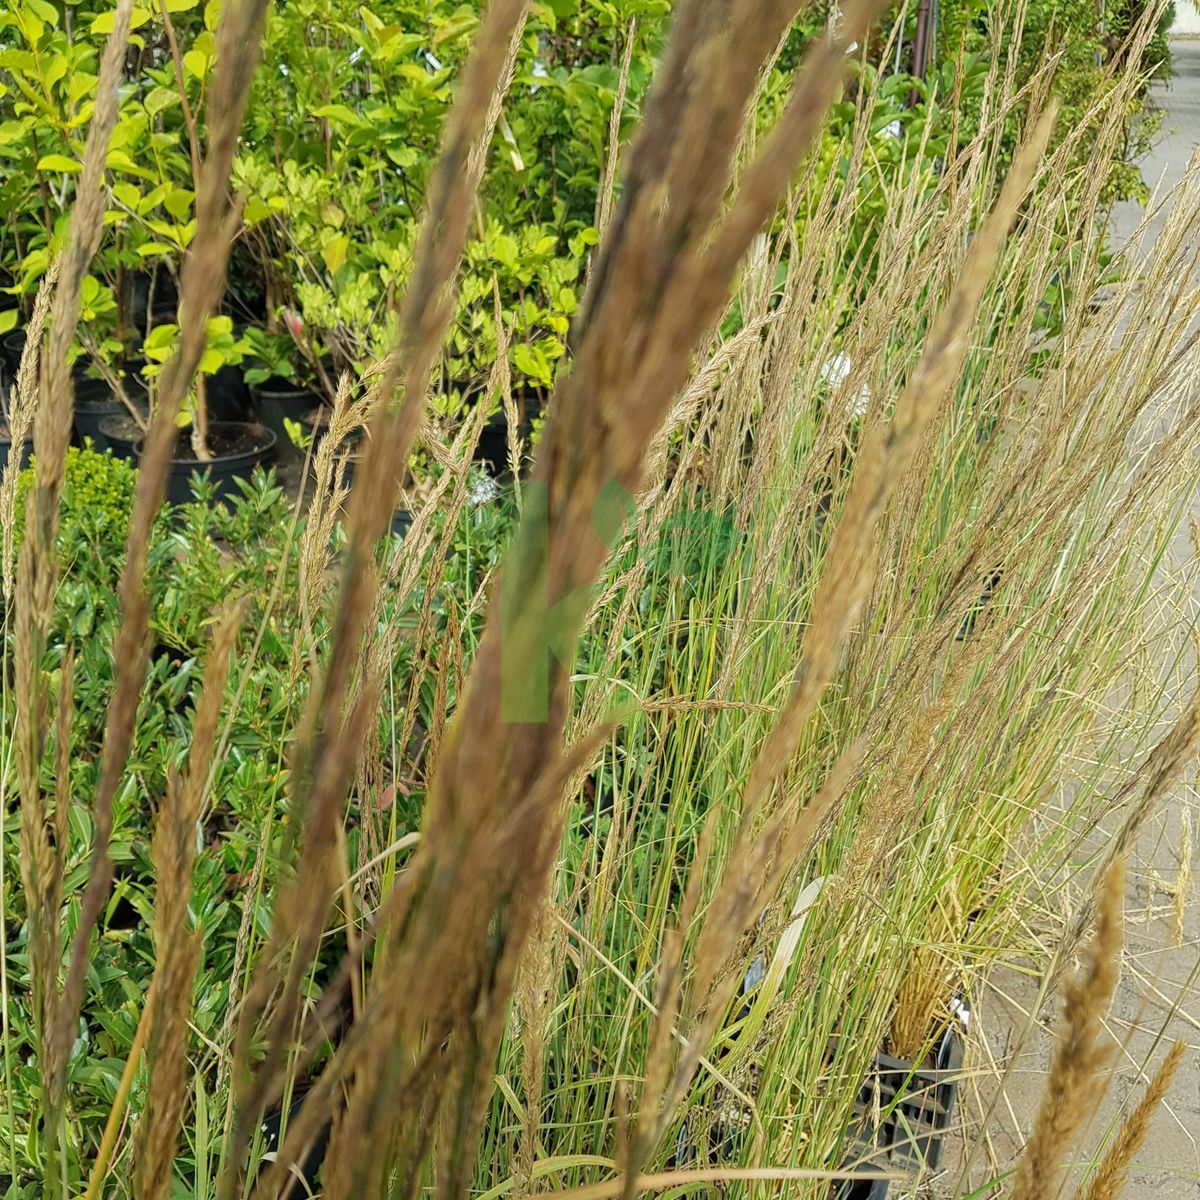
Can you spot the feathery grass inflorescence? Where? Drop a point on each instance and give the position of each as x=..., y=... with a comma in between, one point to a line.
x=849, y=573
x=37, y=574
x=1108, y=1182
x=1075, y=1083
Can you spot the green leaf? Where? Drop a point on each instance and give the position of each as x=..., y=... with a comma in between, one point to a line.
x=152, y=249
x=47, y=12
x=13, y=131
x=334, y=252
x=404, y=156
x=8, y=319
x=197, y=63
x=59, y=162
x=105, y=21
x=118, y=160
x=506, y=250
x=127, y=194
x=256, y=210
x=160, y=98
x=178, y=202
x=339, y=112
x=529, y=362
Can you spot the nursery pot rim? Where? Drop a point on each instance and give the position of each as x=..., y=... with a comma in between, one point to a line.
x=289, y=389
x=250, y=456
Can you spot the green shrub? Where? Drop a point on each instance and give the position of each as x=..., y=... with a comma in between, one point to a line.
x=97, y=499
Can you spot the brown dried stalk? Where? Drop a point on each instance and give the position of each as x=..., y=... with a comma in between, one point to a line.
x=656, y=289
x=1109, y=1179
x=333, y=730
x=1073, y=1089
x=928, y=982
x=20, y=415
x=178, y=948
x=38, y=567
x=886, y=453
x=202, y=282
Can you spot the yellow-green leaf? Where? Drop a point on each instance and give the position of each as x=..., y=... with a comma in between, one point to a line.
x=178, y=202
x=196, y=63
x=46, y=12
x=256, y=210
x=105, y=21
x=334, y=252
x=58, y=162
x=127, y=194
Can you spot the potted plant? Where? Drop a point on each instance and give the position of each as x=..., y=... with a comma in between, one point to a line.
x=908, y=1102
x=918, y=1096
x=223, y=450
x=287, y=381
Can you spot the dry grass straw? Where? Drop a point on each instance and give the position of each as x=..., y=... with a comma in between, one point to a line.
x=334, y=727
x=1074, y=1087
x=483, y=799
x=1109, y=1180
x=768, y=855
x=910, y=766
x=42, y=845
x=201, y=285
x=929, y=982
x=22, y=406
x=177, y=947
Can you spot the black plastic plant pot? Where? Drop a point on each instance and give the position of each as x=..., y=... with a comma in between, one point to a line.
x=919, y=1101
x=865, y=1154
x=303, y=1181
x=237, y=447
x=491, y=451
x=866, y=1186
x=402, y=521
x=151, y=299
x=6, y=451
x=277, y=401
x=12, y=346
x=94, y=401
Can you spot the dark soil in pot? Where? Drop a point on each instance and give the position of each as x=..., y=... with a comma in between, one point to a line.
x=236, y=447
x=279, y=400
x=122, y=434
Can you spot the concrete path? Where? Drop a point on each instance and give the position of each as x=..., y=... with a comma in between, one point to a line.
x=1159, y=995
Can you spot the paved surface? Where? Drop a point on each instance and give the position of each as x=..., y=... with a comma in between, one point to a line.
x=1159, y=995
